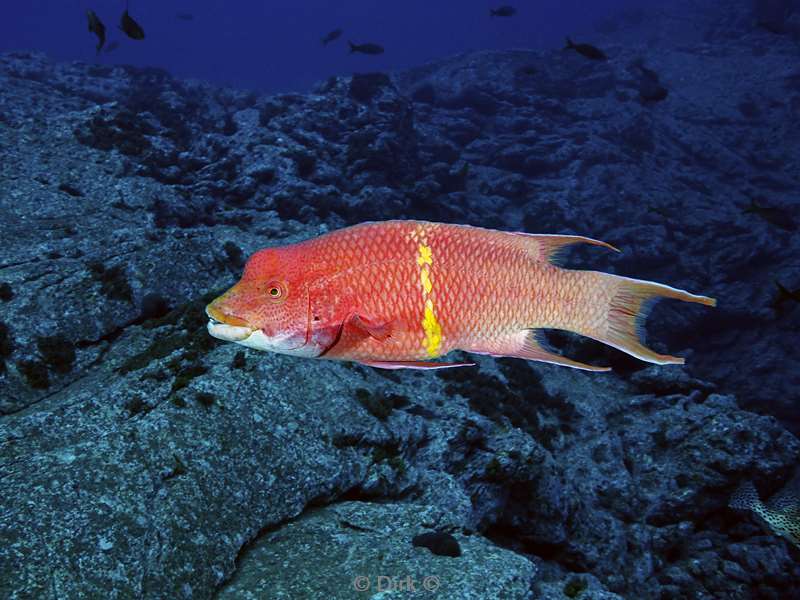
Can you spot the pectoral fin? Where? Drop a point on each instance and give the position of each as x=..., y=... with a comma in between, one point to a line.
x=380, y=329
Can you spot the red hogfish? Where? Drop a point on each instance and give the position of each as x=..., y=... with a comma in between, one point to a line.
x=398, y=294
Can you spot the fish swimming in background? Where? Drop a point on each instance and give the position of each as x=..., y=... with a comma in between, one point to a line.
x=131, y=28
x=503, y=11
x=365, y=48
x=774, y=215
x=650, y=88
x=586, y=50
x=96, y=27
x=780, y=515
x=785, y=295
x=331, y=36
x=398, y=294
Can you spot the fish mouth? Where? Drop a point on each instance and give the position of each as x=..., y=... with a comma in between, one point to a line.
x=231, y=329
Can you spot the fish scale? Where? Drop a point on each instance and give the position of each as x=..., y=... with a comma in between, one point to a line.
x=401, y=293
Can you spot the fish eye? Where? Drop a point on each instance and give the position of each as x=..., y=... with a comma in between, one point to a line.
x=276, y=290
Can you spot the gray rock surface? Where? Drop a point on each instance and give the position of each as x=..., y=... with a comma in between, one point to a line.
x=141, y=458
x=356, y=549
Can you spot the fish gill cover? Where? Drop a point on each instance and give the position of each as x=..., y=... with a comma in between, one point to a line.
x=141, y=457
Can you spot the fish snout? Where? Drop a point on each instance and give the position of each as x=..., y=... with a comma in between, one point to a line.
x=215, y=312
x=224, y=326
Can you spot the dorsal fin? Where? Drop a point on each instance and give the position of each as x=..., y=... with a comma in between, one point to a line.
x=546, y=247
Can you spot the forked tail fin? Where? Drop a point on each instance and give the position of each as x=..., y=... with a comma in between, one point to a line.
x=630, y=304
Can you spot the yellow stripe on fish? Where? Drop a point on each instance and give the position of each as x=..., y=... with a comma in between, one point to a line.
x=433, y=331
x=427, y=286
x=425, y=255
x=430, y=325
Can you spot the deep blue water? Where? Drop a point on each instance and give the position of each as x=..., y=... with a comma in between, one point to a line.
x=275, y=46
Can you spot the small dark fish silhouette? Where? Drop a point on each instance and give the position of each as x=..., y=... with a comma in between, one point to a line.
x=586, y=50
x=526, y=71
x=773, y=215
x=185, y=16
x=650, y=88
x=131, y=28
x=785, y=295
x=113, y=45
x=96, y=27
x=774, y=16
x=503, y=11
x=365, y=48
x=333, y=35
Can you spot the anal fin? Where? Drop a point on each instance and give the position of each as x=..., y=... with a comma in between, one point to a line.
x=528, y=344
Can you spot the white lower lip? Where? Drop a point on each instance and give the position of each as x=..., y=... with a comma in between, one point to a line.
x=228, y=333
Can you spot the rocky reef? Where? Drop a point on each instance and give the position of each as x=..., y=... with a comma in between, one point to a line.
x=141, y=458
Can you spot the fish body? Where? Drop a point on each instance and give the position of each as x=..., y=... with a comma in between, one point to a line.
x=365, y=48
x=773, y=215
x=400, y=294
x=785, y=295
x=96, y=27
x=331, y=36
x=650, y=88
x=130, y=27
x=503, y=11
x=587, y=50
x=780, y=515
